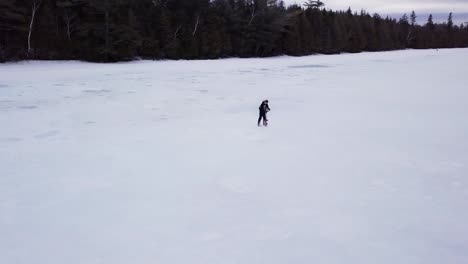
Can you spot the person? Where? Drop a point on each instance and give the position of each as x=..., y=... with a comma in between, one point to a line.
x=264, y=109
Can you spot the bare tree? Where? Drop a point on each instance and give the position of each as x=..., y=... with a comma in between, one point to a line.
x=176, y=33
x=36, y=4
x=196, y=25
x=70, y=18
x=69, y=22
x=253, y=11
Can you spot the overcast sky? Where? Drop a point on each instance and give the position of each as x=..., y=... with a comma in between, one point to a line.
x=395, y=8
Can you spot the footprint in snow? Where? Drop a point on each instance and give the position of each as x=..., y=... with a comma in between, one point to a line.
x=96, y=91
x=11, y=139
x=28, y=107
x=47, y=134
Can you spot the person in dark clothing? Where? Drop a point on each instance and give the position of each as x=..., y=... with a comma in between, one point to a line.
x=264, y=109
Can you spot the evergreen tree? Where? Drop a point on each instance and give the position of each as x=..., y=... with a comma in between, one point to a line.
x=109, y=30
x=413, y=18
x=450, y=39
x=11, y=15
x=404, y=20
x=430, y=23
x=450, y=22
x=12, y=25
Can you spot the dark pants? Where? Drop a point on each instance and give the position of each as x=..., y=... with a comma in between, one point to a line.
x=262, y=115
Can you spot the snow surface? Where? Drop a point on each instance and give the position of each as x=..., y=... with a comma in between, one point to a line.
x=365, y=161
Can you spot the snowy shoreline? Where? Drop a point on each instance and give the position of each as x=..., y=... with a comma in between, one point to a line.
x=140, y=60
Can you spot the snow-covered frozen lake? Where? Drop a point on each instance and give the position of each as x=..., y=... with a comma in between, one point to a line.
x=365, y=161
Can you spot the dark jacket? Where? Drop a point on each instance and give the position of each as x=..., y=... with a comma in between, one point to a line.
x=264, y=107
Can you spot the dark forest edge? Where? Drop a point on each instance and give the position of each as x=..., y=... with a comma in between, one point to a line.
x=118, y=30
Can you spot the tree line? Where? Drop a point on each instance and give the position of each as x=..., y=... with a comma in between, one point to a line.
x=116, y=30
